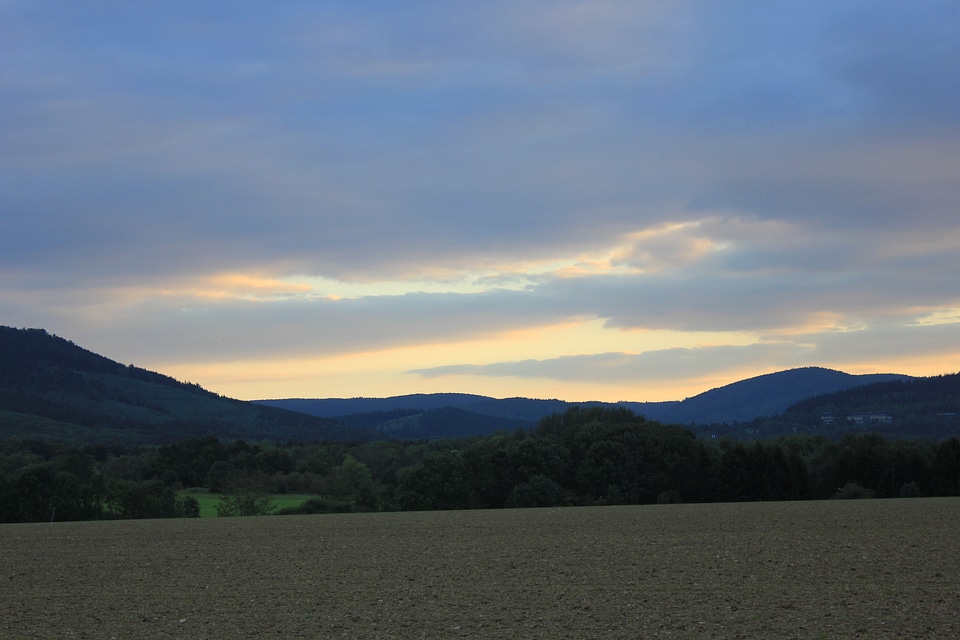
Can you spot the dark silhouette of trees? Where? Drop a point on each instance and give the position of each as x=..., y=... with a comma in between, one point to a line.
x=585, y=456
x=151, y=499
x=945, y=469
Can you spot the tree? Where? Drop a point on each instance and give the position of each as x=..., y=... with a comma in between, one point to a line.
x=44, y=493
x=489, y=474
x=437, y=483
x=607, y=474
x=244, y=503
x=853, y=491
x=945, y=470
x=188, y=462
x=538, y=491
x=151, y=499
x=351, y=482
x=760, y=471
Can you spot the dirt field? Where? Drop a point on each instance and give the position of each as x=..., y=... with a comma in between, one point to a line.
x=841, y=569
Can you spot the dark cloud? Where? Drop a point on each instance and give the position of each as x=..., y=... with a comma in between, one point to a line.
x=880, y=348
x=766, y=168
x=650, y=366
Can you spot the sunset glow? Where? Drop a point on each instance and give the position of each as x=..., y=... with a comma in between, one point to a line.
x=575, y=200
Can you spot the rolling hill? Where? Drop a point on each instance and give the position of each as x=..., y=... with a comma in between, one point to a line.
x=745, y=400
x=51, y=388
x=926, y=407
x=761, y=396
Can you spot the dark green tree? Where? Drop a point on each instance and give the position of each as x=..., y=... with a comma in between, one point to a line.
x=244, y=503
x=538, y=491
x=188, y=462
x=352, y=483
x=437, y=483
x=151, y=499
x=945, y=471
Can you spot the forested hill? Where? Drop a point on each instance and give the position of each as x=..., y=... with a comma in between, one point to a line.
x=745, y=400
x=918, y=407
x=764, y=395
x=30, y=357
x=910, y=408
x=51, y=388
x=934, y=395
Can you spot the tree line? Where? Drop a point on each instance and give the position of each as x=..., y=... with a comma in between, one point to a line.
x=592, y=456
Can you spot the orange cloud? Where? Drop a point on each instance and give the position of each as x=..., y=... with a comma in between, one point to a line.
x=243, y=284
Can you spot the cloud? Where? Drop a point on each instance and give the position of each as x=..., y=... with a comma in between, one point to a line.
x=679, y=364
x=242, y=181
x=620, y=368
x=344, y=171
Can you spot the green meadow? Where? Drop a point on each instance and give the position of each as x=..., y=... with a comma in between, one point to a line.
x=208, y=501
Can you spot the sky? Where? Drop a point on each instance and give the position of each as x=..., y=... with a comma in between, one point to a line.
x=605, y=200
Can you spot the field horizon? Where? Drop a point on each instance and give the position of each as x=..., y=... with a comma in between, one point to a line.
x=831, y=569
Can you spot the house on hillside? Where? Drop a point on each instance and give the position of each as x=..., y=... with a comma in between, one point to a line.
x=869, y=418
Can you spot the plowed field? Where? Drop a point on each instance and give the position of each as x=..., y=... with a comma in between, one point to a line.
x=841, y=569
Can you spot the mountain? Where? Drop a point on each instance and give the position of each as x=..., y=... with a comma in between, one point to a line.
x=522, y=409
x=745, y=400
x=440, y=422
x=911, y=408
x=51, y=388
x=424, y=416
x=334, y=407
x=764, y=395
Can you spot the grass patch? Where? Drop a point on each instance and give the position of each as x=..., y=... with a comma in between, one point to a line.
x=289, y=500
x=208, y=501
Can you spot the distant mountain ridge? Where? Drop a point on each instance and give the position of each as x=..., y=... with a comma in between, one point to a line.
x=748, y=399
x=764, y=395
x=51, y=388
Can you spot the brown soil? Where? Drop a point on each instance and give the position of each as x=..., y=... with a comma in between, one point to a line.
x=841, y=569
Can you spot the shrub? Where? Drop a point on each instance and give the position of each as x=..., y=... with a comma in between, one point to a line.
x=670, y=496
x=539, y=491
x=317, y=505
x=910, y=490
x=853, y=491
x=244, y=504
